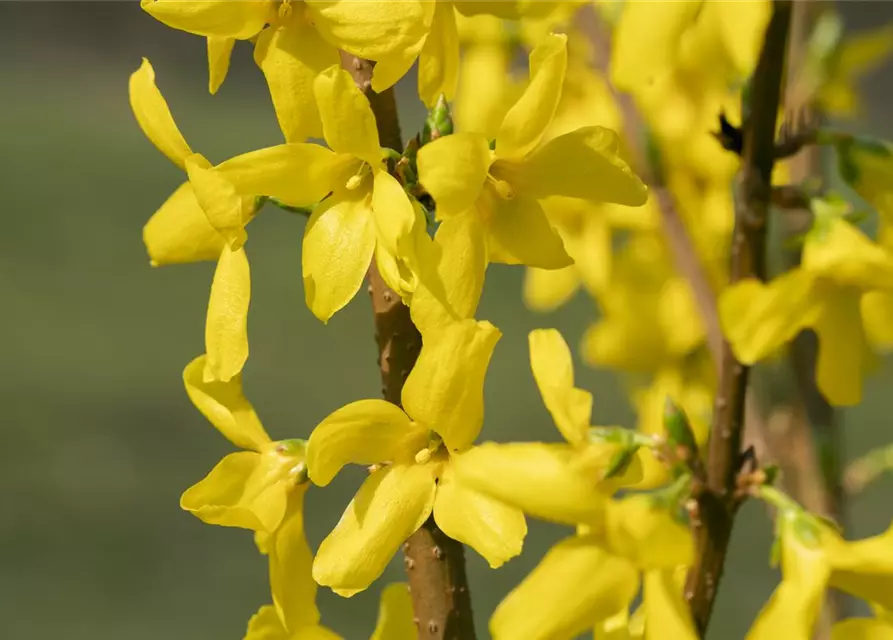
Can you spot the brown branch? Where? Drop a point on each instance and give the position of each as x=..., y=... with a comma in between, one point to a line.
x=435, y=563
x=717, y=505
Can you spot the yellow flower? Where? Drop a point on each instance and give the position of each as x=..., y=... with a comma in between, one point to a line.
x=501, y=189
x=416, y=447
x=204, y=219
x=862, y=629
x=251, y=488
x=867, y=166
x=558, y=482
x=365, y=210
x=840, y=265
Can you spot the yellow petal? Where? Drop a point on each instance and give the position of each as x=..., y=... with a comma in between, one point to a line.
x=154, y=116
x=227, y=211
x=486, y=89
x=647, y=534
x=298, y=174
x=219, y=52
x=877, y=316
x=740, y=23
x=553, y=370
x=294, y=591
x=338, y=243
x=395, y=614
x=864, y=567
x=246, y=489
x=575, y=586
x=226, y=327
x=348, y=123
x=583, y=164
x=540, y=479
x=291, y=55
x=524, y=124
x=842, y=348
x=372, y=29
x=401, y=270
x=757, y=319
x=492, y=528
x=391, y=68
x=845, y=255
x=520, y=233
x=392, y=503
x=666, y=613
x=453, y=169
x=395, y=216
x=266, y=625
x=363, y=432
x=548, y=289
x=445, y=390
x=439, y=58
x=223, y=18
x=179, y=232
x=224, y=405
x=862, y=629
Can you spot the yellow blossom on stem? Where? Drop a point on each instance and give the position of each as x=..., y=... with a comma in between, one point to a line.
x=416, y=447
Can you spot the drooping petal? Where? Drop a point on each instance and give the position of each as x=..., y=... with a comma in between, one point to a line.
x=389, y=69
x=294, y=591
x=647, y=534
x=439, y=58
x=179, y=232
x=445, y=390
x=553, y=370
x=452, y=277
x=877, y=316
x=265, y=625
x=227, y=211
x=224, y=405
x=338, y=243
x=246, y=489
x=667, y=615
x=298, y=174
x=757, y=319
x=226, y=327
x=524, y=124
x=154, y=116
x=453, y=169
x=363, y=432
x=575, y=586
x=372, y=29
x=401, y=271
x=395, y=216
x=219, y=51
x=348, y=123
x=864, y=568
x=842, y=348
x=585, y=164
x=841, y=252
x=547, y=289
x=392, y=503
x=492, y=528
x=395, y=614
x=540, y=479
x=239, y=19
x=291, y=55
x=520, y=233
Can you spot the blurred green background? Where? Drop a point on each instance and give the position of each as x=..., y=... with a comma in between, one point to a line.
x=98, y=436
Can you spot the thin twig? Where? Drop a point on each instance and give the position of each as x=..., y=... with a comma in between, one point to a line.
x=717, y=505
x=435, y=563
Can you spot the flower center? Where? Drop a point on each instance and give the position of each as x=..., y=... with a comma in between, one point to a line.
x=502, y=187
x=356, y=181
x=425, y=455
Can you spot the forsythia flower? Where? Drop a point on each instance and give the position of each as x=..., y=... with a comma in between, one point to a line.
x=416, y=446
x=840, y=266
x=559, y=482
x=203, y=219
x=501, y=189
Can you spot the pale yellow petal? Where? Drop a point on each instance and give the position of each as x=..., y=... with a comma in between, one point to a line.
x=223, y=18
x=492, y=528
x=392, y=503
x=179, y=232
x=226, y=327
x=348, y=123
x=219, y=51
x=225, y=406
x=395, y=614
x=542, y=480
x=338, y=243
x=575, y=586
x=453, y=169
x=553, y=370
x=363, y=432
x=439, y=58
x=524, y=124
x=445, y=390
x=548, y=289
x=291, y=55
x=154, y=116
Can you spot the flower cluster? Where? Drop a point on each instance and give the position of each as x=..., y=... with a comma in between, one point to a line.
x=533, y=172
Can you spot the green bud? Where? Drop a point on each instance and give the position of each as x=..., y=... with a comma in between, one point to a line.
x=620, y=461
x=678, y=427
x=439, y=122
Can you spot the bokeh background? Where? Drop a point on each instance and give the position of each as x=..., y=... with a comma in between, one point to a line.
x=97, y=436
